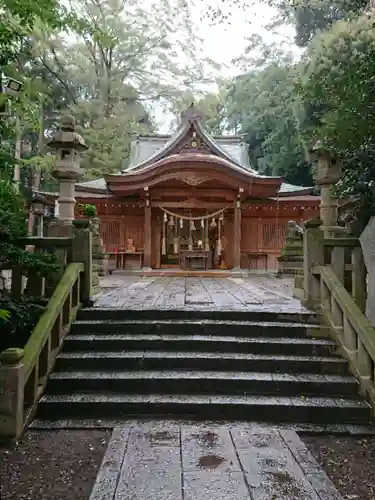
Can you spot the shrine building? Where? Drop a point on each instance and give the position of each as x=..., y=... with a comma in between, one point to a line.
x=193, y=201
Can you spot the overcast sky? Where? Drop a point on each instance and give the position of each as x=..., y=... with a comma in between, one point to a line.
x=227, y=40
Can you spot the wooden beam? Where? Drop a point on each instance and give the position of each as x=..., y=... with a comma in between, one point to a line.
x=189, y=204
x=229, y=194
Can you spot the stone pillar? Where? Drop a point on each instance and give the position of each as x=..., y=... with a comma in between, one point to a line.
x=67, y=144
x=237, y=236
x=99, y=257
x=12, y=386
x=82, y=252
x=147, y=234
x=328, y=172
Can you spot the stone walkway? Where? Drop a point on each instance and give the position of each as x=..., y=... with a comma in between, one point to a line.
x=157, y=460
x=253, y=293
x=168, y=460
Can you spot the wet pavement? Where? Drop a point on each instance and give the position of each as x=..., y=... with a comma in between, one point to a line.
x=167, y=460
x=194, y=293
x=177, y=460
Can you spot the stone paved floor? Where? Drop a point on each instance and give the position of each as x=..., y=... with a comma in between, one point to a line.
x=253, y=293
x=156, y=460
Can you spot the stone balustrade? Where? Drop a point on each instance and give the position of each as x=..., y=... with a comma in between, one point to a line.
x=335, y=284
x=24, y=372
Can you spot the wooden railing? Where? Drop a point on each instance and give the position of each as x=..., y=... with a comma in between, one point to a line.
x=24, y=372
x=335, y=284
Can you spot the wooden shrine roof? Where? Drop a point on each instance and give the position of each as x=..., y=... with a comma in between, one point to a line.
x=191, y=148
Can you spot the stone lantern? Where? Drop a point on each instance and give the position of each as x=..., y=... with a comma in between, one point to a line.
x=67, y=144
x=328, y=173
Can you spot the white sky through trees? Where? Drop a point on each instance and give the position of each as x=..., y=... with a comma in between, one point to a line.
x=227, y=40
x=221, y=41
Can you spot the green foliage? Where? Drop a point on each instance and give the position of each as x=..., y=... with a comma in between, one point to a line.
x=88, y=210
x=17, y=321
x=17, y=20
x=126, y=58
x=17, y=316
x=264, y=107
x=13, y=225
x=310, y=17
x=337, y=76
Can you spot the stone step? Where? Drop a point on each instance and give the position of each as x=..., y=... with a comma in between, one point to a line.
x=192, y=360
x=279, y=313
x=202, y=327
x=360, y=430
x=202, y=382
x=218, y=407
x=215, y=343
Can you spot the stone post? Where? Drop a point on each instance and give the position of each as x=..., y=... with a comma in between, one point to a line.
x=313, y=253
x=67, y=144
x=99, y=257
x=328, y=172
x=367, y=241
x=12, y=384
x=82, y=252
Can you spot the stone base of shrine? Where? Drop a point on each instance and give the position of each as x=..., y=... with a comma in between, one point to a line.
x=178, y=272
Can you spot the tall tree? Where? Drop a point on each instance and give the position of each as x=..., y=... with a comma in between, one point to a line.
x=309, y=17
x=129, y=55
x=262, y=104
x=337, y=75
x=17, y=20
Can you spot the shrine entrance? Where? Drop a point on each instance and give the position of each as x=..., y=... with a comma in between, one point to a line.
x=192, y=240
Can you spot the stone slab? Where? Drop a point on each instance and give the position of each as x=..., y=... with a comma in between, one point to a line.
x=213, y=485
x=210, y=448
x=136, y=484
x=177, y=460
x=198, y=293
x=312, y=470
x=106, y=480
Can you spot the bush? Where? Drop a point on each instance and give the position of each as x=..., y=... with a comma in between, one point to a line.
x=18, y=316
x=23, y=315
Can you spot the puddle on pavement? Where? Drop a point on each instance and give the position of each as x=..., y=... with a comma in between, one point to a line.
x=207, y=439
x=210, y=461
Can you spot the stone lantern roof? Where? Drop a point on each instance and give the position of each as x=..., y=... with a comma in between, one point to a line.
x=66, y=137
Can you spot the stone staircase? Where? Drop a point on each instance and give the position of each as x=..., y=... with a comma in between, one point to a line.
x=257, y=366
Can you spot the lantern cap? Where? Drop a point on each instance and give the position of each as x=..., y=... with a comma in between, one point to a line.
x=67, y=137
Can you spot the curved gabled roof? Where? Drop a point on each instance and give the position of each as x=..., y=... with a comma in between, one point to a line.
x=153, y=153
x=150, y=149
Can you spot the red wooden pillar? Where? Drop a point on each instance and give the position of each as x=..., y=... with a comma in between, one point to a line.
x=147, y=236
x=237, y=236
